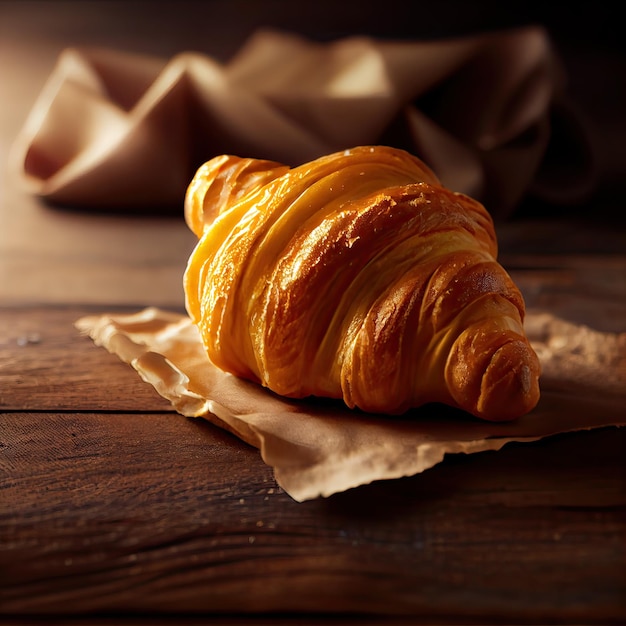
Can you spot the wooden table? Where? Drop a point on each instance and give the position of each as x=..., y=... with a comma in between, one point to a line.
x=116, y=510
x=111, y=502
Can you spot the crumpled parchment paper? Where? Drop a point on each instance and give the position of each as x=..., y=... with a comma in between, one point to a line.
x=488, y=113
x=320, y=448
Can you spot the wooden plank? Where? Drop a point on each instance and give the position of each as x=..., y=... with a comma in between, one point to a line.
x=46, y=364
x=156, y=512
x=583, y=289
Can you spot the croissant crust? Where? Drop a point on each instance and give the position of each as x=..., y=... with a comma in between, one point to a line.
x=356, y=276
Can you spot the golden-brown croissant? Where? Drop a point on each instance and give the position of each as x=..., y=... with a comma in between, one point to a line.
x=356, y=276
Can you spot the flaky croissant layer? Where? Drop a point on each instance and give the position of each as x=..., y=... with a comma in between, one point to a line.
x=356, y=276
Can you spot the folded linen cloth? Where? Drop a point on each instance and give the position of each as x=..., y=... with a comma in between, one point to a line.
x=111, y=128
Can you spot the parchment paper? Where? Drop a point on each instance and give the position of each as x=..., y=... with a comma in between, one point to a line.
x=117, y=129
x=318, y=448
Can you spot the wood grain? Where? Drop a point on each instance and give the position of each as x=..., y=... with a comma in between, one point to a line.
x=144, y=511
x=585, y=289
x=162, y=513
x=45, y=364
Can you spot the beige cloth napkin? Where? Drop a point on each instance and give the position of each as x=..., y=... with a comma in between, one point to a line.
x=111, y=128
x=317, y=449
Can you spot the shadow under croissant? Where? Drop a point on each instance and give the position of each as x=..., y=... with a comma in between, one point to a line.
x=439, y=411
x=468, y=484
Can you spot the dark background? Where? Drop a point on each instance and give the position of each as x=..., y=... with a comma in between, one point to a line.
x=588, y=38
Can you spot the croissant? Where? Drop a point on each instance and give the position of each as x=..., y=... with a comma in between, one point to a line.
x=359, y=277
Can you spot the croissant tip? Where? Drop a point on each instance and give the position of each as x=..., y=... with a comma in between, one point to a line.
x=510, y=385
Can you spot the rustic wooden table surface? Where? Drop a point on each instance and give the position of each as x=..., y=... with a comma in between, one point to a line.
x=116, y=510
